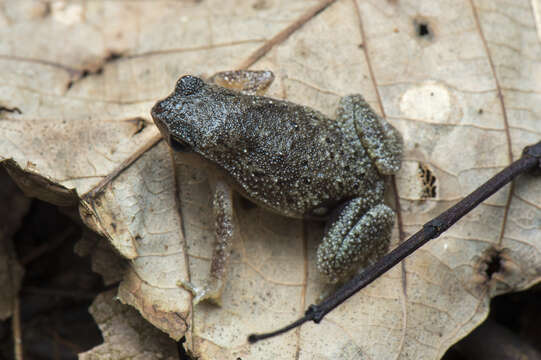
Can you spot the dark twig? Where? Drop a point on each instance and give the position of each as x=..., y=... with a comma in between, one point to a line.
x=16, y=328
x=531, y=159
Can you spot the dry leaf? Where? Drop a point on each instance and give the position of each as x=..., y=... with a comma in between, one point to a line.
x=126, y=335
x=458, y=79
x=105, y=260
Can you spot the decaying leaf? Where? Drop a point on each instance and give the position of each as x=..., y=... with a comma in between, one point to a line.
x=458, y=79
x=126, y=335
x=105, y=260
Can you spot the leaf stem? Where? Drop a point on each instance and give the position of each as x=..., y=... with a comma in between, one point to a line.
x=530, y=160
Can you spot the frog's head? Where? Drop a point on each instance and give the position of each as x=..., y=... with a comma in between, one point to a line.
x=179, y=116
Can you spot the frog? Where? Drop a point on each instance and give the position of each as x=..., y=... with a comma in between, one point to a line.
x=291, y=160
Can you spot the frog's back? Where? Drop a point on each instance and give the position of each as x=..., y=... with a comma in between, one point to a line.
x=290, y=158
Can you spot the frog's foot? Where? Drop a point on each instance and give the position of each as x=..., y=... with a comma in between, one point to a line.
x=211, y=292
x=248, y=82
x=380, y=139
x=355, y=239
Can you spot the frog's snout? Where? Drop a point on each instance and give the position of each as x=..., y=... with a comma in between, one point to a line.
x=157, y=109
x=156, y=113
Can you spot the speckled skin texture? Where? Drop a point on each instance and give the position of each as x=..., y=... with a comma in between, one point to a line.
x=295, y=161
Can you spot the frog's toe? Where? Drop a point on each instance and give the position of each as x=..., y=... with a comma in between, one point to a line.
x=203, y=293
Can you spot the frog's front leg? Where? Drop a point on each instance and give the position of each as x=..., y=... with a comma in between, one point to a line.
x=380, y=139
x=222, y=204
x=358, y=234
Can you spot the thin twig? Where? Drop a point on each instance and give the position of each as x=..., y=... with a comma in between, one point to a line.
x=16, y=328
x=284, y=34
x=531, y=159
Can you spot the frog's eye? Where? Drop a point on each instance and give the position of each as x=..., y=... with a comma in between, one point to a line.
x=179, y=145
x=188, y=85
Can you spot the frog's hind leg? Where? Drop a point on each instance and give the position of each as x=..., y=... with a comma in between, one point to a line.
x=358, y=236
x=223, y=214
x=382, y=141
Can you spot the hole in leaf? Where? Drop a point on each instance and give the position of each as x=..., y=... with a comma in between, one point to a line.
x=423, y=29
x=428, y=181
x=494, y=264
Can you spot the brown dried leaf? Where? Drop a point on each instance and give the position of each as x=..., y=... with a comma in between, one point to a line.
x=456, y=78
x=126, y=335
x=105, y=260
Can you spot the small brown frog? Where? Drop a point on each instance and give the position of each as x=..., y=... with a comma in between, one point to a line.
x=292, y=160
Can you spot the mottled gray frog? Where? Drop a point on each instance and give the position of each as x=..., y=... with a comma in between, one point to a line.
x=292, y=160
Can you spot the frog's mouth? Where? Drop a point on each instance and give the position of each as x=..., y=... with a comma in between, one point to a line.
x=179, y=145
